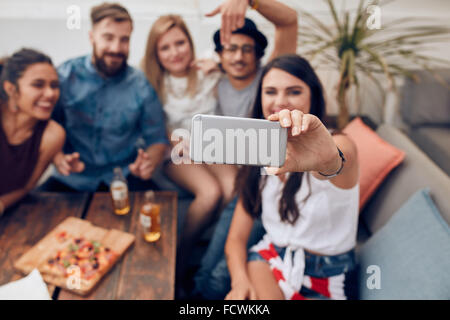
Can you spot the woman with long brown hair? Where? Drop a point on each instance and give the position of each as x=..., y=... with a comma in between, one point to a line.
x=308, y=207
x=29, y=90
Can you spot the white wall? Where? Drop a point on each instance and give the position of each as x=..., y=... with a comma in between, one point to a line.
x=42, y=25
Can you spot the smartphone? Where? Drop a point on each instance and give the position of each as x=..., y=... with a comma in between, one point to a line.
x=235, y=140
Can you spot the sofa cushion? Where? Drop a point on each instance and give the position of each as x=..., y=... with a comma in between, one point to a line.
x=417, y=171
x=376, y=157
x=426, y=102
x=408, y=258
x=435, y=141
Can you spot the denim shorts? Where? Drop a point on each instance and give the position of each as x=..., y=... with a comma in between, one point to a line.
x=319, y=266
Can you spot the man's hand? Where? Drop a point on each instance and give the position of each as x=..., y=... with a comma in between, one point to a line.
x=68, y=163
x=143, y=166
x=233, y=17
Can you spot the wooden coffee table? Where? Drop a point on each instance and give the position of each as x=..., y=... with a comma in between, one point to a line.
x=27, y=223
x=146, y=271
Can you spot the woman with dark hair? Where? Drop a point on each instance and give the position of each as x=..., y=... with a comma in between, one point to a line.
x=29, y=90
x=309, y=207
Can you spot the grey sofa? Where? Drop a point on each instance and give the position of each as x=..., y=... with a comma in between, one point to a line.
x=412, y=261
x=425, y=111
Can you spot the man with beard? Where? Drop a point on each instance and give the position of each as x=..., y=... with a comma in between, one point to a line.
x=111, y=113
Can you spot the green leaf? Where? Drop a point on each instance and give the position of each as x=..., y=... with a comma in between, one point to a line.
x=359, y=17
x=369, y=73
x=334, y=15
x=317, y=23
x=380, y=60
x=321, y=49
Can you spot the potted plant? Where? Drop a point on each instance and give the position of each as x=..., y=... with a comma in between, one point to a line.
x=357, y=47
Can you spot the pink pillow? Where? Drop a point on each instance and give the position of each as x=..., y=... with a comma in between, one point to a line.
x=376, y=158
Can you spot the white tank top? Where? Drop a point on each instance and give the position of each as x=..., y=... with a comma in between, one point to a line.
x=328, y=219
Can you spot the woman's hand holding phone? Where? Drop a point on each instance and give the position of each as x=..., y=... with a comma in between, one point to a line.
x=310, y=146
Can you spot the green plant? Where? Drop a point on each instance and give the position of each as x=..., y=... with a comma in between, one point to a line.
x=356, y=50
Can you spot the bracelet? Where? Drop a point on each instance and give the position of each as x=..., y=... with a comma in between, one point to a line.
x=2, y=208
x=254, y=4
x=339, y=170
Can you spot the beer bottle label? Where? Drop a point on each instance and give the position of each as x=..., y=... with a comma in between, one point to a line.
x=146, y=221
x=119, y=190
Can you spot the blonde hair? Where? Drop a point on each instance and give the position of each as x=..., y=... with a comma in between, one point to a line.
x=150, y=63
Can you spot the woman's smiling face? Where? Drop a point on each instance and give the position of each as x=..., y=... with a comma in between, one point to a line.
x=38, y=91
x=281, y=90
x=174, y=52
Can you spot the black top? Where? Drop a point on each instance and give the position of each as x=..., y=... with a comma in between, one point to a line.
x=17, y=162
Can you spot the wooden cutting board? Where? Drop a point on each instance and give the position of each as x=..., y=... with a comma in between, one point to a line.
x=47, y=247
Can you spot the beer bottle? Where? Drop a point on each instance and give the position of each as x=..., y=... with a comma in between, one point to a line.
x=119, y=193
x=150, y=218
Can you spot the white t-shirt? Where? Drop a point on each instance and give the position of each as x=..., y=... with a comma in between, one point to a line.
x=180, y=106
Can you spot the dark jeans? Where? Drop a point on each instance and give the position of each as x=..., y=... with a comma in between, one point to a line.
x=212, y=280
x=134, y=184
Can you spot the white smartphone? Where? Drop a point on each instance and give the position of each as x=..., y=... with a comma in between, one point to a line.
x=234, y=140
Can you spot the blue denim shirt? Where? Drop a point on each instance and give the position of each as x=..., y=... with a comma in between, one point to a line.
x=104, y=119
